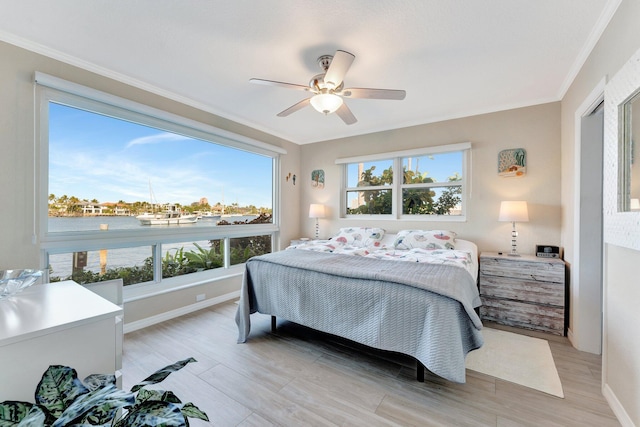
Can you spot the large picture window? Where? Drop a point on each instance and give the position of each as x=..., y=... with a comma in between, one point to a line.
x=429, y=183
x=101, y=166
x=131, y=192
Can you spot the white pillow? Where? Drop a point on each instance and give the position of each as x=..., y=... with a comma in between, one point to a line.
x=425, y=239
x=360, y=236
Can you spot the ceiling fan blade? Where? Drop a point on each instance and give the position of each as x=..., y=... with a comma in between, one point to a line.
x=338, y=68
x=295, y=107
x=359, y=92
x=281, y=84
x=346, y=115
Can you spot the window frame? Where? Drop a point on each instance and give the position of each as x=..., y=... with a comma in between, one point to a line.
x=397, y=186
x=52, y=89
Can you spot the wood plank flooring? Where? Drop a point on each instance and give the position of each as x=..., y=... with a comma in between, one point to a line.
x=298, y=377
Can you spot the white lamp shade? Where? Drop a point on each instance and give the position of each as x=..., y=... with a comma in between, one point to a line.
x=316, y=211
x=326, y=103
x=514, y=211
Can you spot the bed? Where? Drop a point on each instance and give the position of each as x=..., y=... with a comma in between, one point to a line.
x=413, y=293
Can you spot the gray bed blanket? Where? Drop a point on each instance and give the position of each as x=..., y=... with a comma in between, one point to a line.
x=422, y=310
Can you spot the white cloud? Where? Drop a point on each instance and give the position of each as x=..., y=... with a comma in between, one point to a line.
x=156, y=139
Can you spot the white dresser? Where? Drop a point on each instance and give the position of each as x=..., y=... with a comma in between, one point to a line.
x=56, y=324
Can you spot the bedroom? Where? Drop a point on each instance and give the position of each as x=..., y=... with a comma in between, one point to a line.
x=545, y=130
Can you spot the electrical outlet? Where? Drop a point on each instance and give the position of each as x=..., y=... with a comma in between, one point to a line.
x=200, y=297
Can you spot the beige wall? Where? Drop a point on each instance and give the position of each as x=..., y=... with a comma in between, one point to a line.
x=536, y=129
x=621, y=354
x=17, y=67
x=142, y=312
x=621, y=359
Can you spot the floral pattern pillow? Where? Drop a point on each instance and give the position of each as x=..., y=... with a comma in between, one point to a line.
x=359, y=236
x=425, y=239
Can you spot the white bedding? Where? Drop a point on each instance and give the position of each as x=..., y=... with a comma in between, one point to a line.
x=465, y=254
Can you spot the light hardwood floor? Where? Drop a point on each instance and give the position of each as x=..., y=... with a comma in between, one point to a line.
x=300, y=377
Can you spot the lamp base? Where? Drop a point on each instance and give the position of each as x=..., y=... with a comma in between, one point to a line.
x=514, y=236
x=317, y=229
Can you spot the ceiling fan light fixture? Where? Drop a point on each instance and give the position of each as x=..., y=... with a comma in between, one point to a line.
x=326, y=103
x=328, y=89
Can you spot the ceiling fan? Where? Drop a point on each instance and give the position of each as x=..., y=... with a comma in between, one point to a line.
x=328, y=88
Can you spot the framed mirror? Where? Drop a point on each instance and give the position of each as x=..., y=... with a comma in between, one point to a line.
x=621, y=168
x=629, y=165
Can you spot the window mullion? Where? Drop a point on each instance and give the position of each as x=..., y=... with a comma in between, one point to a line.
x=157, y=262
x=434, y=184
x=227, y=252
x=398, y=179
x=370, y=188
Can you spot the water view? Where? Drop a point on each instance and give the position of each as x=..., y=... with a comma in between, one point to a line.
x=110, y=168
x=61, y=265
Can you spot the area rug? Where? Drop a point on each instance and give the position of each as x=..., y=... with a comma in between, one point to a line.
x=518, y=359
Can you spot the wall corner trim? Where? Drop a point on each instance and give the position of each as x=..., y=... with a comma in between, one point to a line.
x=616, y=406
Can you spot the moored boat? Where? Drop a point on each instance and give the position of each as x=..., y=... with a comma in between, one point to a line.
x=173, y=215
x=208, y=215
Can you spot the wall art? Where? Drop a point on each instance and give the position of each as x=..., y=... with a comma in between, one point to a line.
x=317, y=178
x=512, y=162
x=291, y=177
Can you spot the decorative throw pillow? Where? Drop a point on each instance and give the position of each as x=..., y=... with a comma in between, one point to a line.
x=360, y=236
x=425, y=239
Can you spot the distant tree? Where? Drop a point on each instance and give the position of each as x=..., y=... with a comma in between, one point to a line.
x=448, y=200
x=414, y=200
x=73, y=204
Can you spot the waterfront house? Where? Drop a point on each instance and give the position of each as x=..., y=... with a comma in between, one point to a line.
x=90, y=208
x=603, y=305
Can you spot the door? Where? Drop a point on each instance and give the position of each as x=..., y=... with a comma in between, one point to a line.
x=590, y=229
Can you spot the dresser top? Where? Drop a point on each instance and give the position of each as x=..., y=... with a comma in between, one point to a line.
x=43, y=309
x=528, y=258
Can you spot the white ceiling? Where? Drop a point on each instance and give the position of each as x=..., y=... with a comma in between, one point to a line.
x=454, y=58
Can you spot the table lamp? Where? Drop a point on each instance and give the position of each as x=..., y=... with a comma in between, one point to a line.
x=316, y=211
x=514, y=211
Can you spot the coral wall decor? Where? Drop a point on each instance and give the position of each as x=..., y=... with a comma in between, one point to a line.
x=512, y=162
x=317, y=178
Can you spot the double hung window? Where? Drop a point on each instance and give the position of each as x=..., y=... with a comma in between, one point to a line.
x=430, y=183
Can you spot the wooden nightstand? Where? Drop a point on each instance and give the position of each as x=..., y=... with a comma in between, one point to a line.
x=526, y=291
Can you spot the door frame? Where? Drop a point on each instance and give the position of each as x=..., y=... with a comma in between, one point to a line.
x=582, y=337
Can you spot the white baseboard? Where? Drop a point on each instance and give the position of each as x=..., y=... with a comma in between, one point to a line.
x=616, y=407
x=570, y=337
x=143, y=323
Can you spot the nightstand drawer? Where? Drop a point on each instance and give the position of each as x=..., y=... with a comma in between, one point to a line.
x=547, y=293
x=523, y=315
x=539, y=271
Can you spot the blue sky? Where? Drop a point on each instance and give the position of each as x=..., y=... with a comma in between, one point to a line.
x=97, y=157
